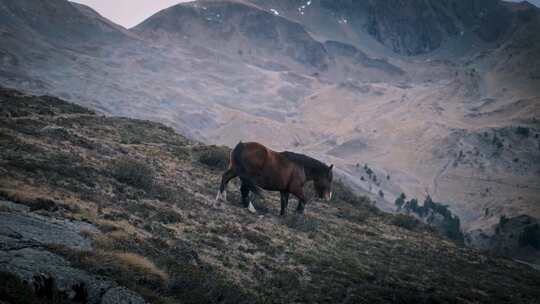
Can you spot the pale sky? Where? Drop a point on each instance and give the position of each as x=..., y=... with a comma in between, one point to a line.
x=129, y=13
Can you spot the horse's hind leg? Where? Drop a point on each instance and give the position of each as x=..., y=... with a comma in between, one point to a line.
x=284, y=202
x=227, y=176
x=244, y=189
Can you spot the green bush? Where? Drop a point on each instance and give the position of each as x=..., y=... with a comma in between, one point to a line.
x=400, y=201
x=168, y=216
x=133, y=173
x=405, y=221
x=530, y=236
x=302, y=223
x=345, y=194
x=201, y=284
x=214, y=157
x=523, y=131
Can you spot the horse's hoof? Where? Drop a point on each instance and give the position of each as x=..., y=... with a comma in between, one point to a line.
x=251, y=208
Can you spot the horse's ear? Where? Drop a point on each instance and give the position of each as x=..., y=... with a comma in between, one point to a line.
x=331, y=166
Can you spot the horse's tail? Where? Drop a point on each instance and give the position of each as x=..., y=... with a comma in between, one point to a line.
x=241, y=171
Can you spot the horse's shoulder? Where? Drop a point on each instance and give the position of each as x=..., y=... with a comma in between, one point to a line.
x=287, y=159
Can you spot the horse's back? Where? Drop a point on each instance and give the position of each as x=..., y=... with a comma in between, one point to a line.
x=269, y=168
x=254, y=155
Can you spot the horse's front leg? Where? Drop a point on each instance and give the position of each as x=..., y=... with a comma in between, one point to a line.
x=284, y=202
x=299, y=193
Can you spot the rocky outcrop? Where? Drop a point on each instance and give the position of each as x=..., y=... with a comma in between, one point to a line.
x=25, y=239
x=417, y=27
x=20, y=228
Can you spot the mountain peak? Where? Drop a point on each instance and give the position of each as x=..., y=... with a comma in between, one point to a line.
x=58, y=21
x=236, y=28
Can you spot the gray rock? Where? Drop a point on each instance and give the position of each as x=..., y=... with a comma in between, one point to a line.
x=24, y=238
x=51, y=274
x=41, y=230
x=7, y=205
x=121, y=295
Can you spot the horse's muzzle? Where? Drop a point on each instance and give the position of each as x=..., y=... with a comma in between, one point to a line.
x=328, y=196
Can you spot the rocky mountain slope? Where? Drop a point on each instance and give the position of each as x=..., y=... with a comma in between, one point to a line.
x=438, y=99
x=407, y=27
x=96, y=209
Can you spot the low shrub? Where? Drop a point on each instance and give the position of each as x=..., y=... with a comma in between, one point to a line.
x=523, y=131
x=301, y=222
x=167, y=216
x=202, y=284
x=530, y=236
x=213, y=156
x=405, y=221
x=134, y=173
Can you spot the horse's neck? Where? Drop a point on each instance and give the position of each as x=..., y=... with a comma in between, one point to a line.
x=310, y=175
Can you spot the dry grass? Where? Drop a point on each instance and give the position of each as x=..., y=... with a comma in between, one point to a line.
x=22, y=193
x=34, y=198
x=132, y=260
x=131, y=270
x=122, y=225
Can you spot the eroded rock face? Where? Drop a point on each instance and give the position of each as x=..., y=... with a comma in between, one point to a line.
x=417, y=27
x=51, y=276
x=406, y=27
x=24, y=239
x=21, y=228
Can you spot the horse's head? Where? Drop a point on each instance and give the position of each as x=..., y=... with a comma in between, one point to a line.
x=323, y=184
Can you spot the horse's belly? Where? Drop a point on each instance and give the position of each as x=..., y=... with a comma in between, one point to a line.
x=271, y=184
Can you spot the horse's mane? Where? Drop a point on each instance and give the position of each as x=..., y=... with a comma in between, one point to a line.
x=315, y=166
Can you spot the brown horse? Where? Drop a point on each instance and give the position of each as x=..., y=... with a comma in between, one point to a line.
x=286, y=172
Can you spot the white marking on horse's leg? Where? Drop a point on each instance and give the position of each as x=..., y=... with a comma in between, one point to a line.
x=251, y=208
x=218, y=196
x=224, y=195
x=328, y=196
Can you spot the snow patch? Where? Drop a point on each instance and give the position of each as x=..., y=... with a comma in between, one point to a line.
x=302, y=8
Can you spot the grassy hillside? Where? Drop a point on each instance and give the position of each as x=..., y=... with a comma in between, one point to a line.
x=142, y=196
